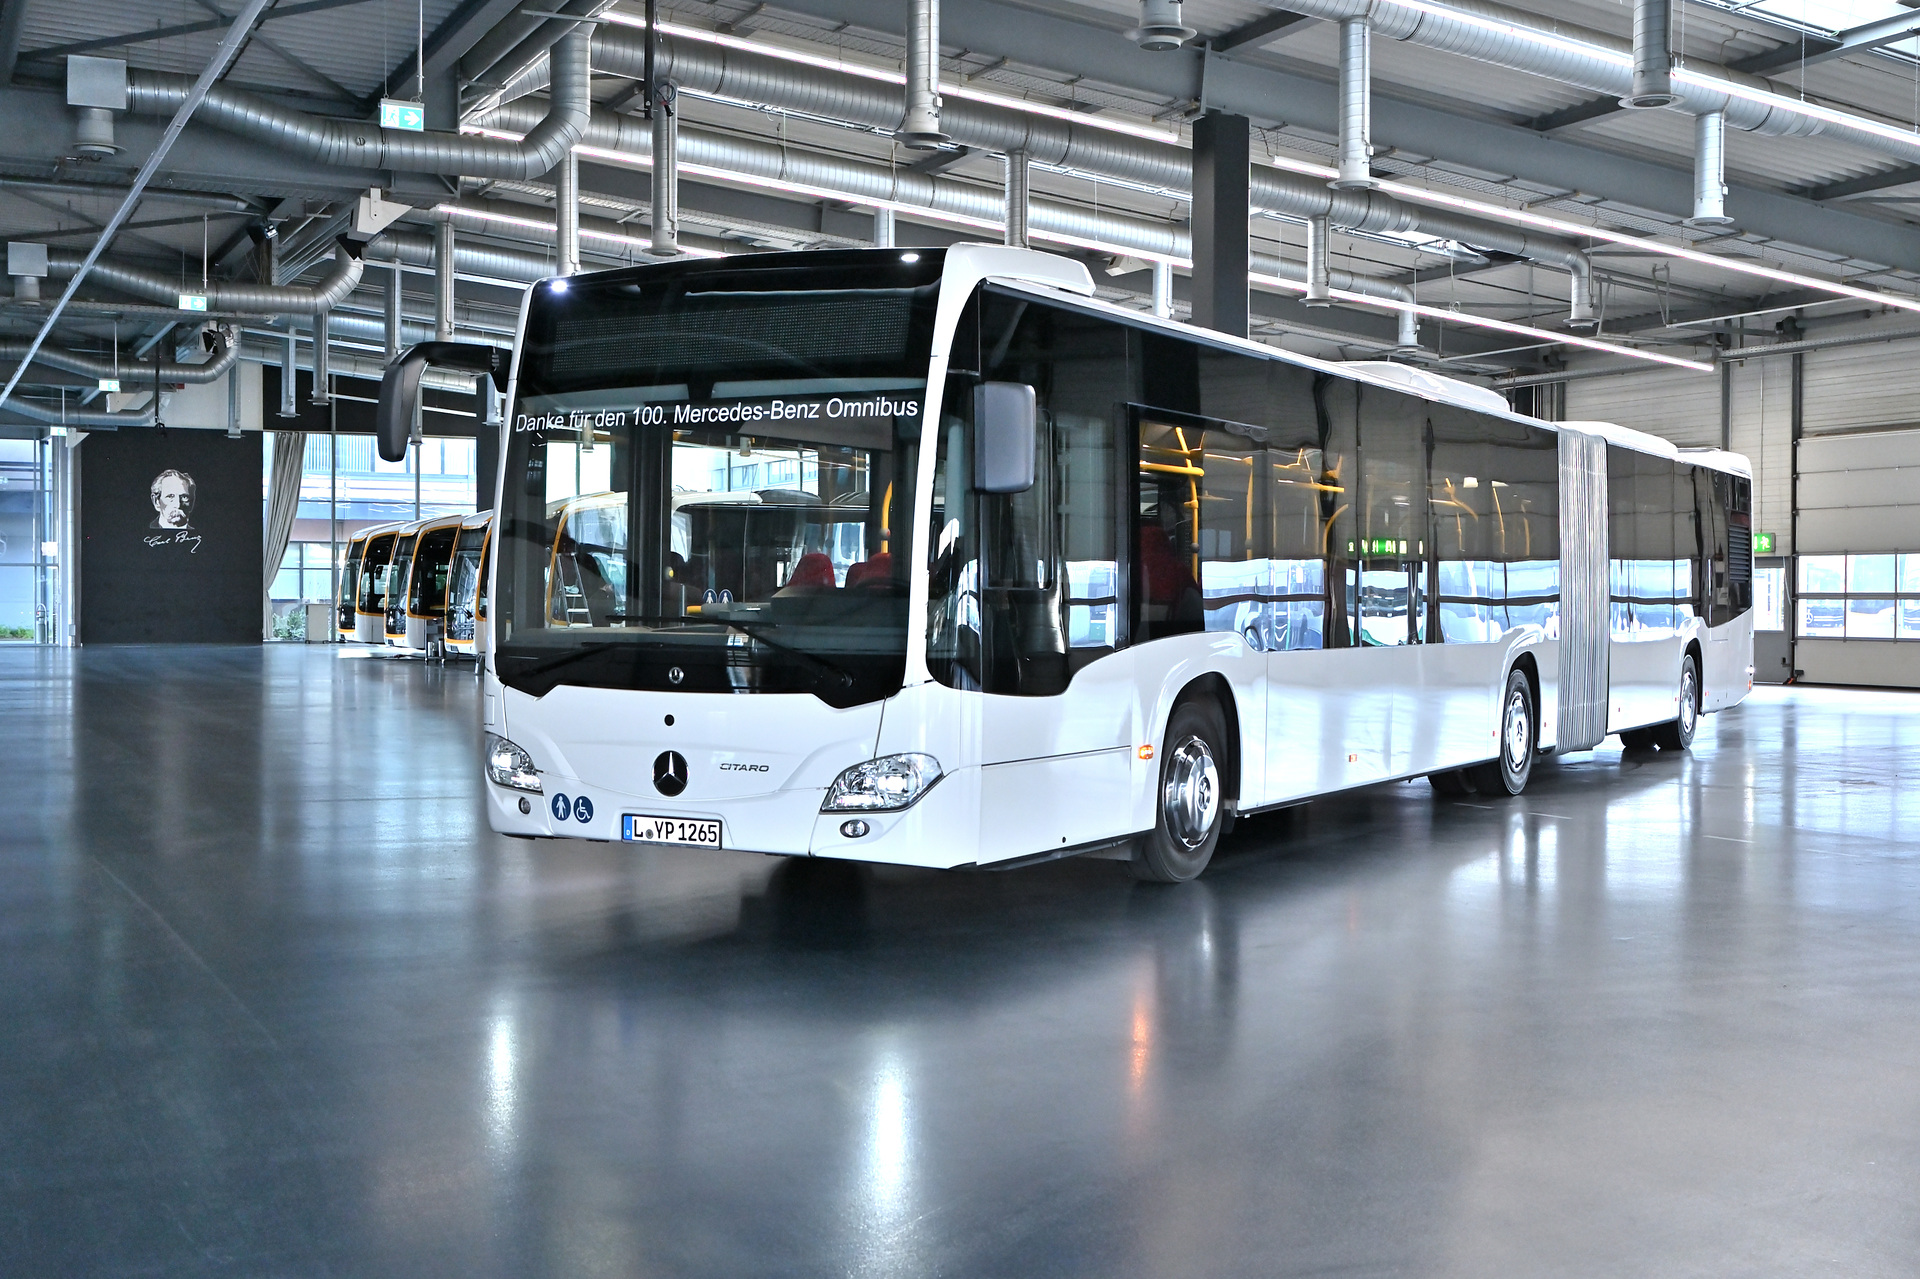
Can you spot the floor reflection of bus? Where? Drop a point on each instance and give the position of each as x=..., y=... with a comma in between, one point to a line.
x=417, y=604
x=467, y=586
x=362, y=606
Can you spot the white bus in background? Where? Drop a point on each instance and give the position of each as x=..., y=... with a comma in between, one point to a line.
x=467, y=586
x=362, y=605
x=930, y=558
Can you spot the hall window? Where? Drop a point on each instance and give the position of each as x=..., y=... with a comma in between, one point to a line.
x=1858, y=597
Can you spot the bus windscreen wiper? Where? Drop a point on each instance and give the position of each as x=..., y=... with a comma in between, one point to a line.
x=574, y=655
x=754, y=629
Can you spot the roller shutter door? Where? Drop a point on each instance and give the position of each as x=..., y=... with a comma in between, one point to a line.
x=1675, y=404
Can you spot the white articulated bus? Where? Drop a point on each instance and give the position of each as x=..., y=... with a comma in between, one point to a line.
x=930, y=558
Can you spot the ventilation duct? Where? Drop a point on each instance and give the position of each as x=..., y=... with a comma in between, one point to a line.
x=1162, y=26
x=566, y=215
x=443, y=272
x=222, y=295
x=1652, y=56
x=921, y=126
x=1018, y=198
x=226, y=353
x=359, y=145
x=322, y=374
x=1356, y=125
x=1319, y=291
x=664, y=145
x=906, y=189
x=87, y=419
x=767, y=81
x=1499, y=35
x=1709, y=170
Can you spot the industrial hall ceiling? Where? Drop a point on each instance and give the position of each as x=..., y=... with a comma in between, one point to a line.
x=1510, y=202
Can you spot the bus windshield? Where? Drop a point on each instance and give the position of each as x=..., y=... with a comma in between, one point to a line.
x=710, y=475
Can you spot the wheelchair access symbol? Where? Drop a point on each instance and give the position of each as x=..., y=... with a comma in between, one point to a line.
x=580, y=808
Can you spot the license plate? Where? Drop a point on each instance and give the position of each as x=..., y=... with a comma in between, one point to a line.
x=671, y=830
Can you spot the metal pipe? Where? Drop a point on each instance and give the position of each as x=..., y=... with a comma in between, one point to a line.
x=443, y=267
x=664, y=146
x=393, y=301
x=921, y=126
x=226, y=352
x=1498, y=34
x=322, y=376
x=1018, y=197
x=1356, y=127
x=64, y=416
x=360, y=145
x=1709, y=170
x=1163, y=289
x=904, y=188
x=289, y=375
x=566, y=215
x=1652, y=56
x=1319, y=292
x=763, y=80
x=222, y=295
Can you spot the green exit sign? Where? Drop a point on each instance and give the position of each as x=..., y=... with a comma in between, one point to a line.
x=397, y=114
x=1763, y=543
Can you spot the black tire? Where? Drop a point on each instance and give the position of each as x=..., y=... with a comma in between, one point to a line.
x=1452, y=784
x=1677, y=734
x=1190, y=798
x=1637, y=739
x=1519, y=734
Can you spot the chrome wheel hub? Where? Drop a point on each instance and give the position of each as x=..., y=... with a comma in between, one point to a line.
x=1519, y=734
x=1689, y=708
x=1190, y=793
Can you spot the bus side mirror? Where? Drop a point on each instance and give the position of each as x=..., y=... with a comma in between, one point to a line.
x=1004, y=418
x=400, y=386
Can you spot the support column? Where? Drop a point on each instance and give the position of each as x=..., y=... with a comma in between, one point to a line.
x=666, y=172
x=1016, y=199
x=66, y=487
x=1163, y=289
x=486, y=443
x=443, y=280
x=566, y=214
x=1221, y=204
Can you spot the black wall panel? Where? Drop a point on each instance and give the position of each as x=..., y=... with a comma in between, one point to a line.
x=171, y=542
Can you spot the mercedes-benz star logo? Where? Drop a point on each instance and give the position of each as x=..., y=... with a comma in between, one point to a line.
x=676, y=675
x=670, y=772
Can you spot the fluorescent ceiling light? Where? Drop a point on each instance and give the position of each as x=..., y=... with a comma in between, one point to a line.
x=894, y=77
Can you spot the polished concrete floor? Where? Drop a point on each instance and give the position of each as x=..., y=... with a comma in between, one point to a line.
x=274, y=1002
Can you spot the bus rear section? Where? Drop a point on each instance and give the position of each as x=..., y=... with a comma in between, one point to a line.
x=943, y=563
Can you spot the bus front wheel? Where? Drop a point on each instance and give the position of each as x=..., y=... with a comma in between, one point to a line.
x=1190, y=800
x=1519, y=731
x=1677, y=733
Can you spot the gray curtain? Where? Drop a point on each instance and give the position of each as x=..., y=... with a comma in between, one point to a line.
x=283, y=499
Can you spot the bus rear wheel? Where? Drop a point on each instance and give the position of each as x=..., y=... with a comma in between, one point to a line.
x=1519, y=731
x=1677, y=733
x=1190, y=800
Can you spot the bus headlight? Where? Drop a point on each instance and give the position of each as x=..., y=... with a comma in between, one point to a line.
x=882, y=785
x=508, y=765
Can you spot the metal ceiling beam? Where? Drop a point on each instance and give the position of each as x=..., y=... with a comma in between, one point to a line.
x=1258, y=32
x=450, y=41
x=13, y=15
x=1273, y=96
x=55, y=51
x=1869, y=182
